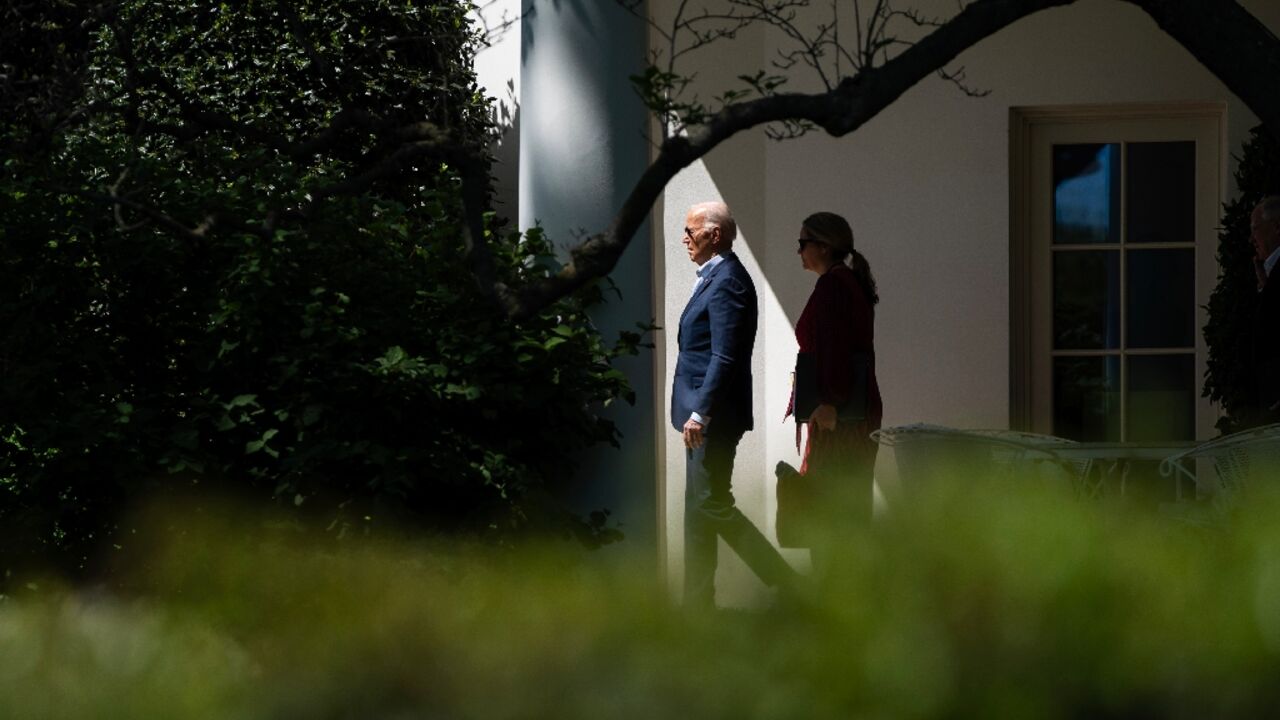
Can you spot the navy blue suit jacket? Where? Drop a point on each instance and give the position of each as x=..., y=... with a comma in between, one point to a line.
x=1266, y=347
x=717, y=335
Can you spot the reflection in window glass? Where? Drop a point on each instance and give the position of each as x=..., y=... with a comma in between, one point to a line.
x=1161, y=298
x=1086, y=299
x=1086, y=398
x=1086, y=193
x=1161, y=179
x=1162, y=397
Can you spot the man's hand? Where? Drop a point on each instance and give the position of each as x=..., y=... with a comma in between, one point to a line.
x=693, y=437
x=823, y=417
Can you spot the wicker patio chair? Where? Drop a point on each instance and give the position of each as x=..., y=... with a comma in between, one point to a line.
x=927, y=454
x=1237, y=461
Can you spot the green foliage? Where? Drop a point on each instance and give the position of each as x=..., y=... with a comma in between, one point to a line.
x=232, y=260
x=1229, y=379
x=984, y=605
x=661, y=91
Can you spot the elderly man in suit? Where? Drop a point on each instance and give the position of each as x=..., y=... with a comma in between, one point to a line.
x=1265, y=233
x=711, y=405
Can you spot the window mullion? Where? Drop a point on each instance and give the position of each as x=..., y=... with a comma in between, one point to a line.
x=1124, y=291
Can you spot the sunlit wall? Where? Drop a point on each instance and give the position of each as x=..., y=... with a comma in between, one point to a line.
x=925, y=186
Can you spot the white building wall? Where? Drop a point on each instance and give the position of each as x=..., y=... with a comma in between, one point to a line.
x=925, y=186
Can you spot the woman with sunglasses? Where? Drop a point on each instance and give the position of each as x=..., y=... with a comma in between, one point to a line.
x=836, y=329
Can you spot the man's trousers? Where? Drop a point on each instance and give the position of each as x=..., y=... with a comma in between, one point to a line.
x=709, y=511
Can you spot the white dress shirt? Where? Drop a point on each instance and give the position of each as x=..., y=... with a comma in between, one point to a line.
x=703, y=269
x=1267, y=264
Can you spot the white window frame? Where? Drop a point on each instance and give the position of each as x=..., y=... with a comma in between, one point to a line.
x=1033, y=131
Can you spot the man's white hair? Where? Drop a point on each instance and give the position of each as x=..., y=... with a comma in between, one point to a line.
x=717, y=213
x=1270, y=207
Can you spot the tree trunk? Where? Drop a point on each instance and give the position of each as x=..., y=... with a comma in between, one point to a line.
x=1234, y=45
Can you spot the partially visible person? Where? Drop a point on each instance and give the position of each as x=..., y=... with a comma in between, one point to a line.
x=838, y=327
x=1265, y=233
x=711, y=406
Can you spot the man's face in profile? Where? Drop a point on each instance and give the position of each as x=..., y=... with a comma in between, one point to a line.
x=1265, y=234
x=699, y=239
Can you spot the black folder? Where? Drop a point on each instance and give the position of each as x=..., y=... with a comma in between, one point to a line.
x=806, y=388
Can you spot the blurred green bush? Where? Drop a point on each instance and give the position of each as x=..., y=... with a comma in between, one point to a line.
x=984, y=604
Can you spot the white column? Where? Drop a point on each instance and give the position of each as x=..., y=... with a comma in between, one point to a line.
x=581, y=150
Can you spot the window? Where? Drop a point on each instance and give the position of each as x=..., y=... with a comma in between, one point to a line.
x=1112, y=252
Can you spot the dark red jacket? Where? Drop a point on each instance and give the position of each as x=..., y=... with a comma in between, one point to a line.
x=837, y=322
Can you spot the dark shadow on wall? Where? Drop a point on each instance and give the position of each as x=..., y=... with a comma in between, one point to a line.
x=529, y=18
x=506, y=163
x=737, y=167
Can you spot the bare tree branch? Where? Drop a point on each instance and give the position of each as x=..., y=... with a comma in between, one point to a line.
x=810, y=49
x=492, y=32
x=839, y=111
x=151, y=212
x=114, y=191
x=1241, y=51
x=957, y=77
x=1231, y=43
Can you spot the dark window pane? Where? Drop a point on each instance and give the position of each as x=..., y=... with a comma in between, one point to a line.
x=1161, y=298
x=1086, y=299
x=1162, y=192
x=1162, y=397
x=1086, y=194
x=1086, y=398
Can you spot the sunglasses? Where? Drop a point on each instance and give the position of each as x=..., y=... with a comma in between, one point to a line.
x=806, y=241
